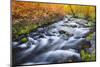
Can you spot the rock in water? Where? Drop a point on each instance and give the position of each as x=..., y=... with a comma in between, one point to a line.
x=77, y=44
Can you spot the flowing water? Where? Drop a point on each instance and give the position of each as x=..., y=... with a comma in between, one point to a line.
x=57, y=43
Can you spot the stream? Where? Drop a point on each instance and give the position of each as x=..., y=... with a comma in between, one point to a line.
x=59, y=42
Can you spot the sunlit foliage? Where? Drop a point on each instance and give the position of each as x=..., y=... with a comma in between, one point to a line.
x=27, y=16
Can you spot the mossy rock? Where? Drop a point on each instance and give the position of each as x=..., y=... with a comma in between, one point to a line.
x=91, y=24
x=90, y=36
x=62, y=32
x=86, y=56
x=23, y=40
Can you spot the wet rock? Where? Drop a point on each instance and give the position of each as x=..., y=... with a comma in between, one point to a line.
x=65, y=20
x=62, y=32
x=72, y=24
x=68, y=16
x=81, y=21
x=72, y=19
x=53, y=32
x=69, y=30
x=80, y=32
x=34, y=35
x=77, y=44
x=14, y=44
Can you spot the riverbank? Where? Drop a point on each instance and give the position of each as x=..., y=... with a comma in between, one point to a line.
x=25, y=26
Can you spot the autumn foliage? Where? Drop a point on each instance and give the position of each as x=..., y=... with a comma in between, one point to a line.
x=27, y=16
x=41, y=11
x=36, y=11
